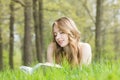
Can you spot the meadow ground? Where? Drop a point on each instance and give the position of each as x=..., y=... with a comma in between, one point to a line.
x=96, y=71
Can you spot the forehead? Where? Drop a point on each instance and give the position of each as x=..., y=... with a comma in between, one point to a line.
x=56, y=29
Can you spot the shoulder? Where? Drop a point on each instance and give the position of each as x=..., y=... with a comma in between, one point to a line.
x=86, y=53
x=51, y=48
x=51, y=45
x=85, y=45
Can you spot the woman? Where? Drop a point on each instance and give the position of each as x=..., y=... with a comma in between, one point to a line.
x=66, y=44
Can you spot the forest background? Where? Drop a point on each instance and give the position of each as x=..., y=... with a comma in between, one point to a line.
x=25, y=28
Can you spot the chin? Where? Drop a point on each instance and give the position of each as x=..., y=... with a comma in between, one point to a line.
x=63, y=45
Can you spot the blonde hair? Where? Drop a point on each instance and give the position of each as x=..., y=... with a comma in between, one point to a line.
x=72, y=53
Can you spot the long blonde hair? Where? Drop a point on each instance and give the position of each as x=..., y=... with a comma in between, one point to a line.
x=72, y=53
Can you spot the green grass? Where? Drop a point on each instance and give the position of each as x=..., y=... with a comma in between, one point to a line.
x=96, y=71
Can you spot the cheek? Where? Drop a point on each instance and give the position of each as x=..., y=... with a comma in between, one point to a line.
x=55, y=38
x=66, y=38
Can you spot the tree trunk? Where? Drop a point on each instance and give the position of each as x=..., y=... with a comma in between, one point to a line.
x=98, y=30
x=117, y=43
x=27, y=55
x=37, y=30
x=1, y=48
x=11, y=43
x=41, y=27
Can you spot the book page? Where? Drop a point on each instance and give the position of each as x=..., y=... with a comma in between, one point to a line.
x=30, y=70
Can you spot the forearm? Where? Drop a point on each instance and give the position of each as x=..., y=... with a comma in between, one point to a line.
x=50, y=53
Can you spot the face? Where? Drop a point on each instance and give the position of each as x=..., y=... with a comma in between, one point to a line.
x=60, y=37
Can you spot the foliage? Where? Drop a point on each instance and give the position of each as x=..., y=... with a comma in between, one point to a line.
x=53, y=9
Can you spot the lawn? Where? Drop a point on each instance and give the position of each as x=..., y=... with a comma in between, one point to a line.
x=96, y=71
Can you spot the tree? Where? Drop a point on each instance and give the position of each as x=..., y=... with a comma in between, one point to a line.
x=1, y=43
x=27, y=50
x=117, y=42
x=11, y=42
x=41, y=28
x=98, y=29
x=37, y=30
x=1, y=49
x=116, y=34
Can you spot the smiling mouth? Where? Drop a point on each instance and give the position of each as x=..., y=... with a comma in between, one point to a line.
x=60, y=42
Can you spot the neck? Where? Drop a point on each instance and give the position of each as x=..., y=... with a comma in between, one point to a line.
x=66, y=48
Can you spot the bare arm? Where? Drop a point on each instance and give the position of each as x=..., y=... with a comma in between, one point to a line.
x=50, y=52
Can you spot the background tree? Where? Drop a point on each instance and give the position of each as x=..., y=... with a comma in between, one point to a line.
x=98, y=29
x=1, y=42
x=1, y=50
x=83, y=12
x=37, y=30
x=116, y=31
x=11, y=43
x=41, y=28
x=27, y=54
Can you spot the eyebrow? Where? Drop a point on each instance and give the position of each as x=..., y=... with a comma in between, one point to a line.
x=58, y=31
x=54, y=32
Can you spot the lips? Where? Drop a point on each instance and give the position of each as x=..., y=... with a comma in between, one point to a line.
x=60, y=42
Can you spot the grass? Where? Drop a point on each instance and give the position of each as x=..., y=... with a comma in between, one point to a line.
x=96, y=71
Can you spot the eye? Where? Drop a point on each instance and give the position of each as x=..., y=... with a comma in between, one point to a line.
x=55, y=34
x=61, y=32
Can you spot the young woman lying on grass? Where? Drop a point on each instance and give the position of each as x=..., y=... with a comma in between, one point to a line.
x=66, y=44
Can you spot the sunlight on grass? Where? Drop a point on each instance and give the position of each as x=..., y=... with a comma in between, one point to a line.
x=103, y=71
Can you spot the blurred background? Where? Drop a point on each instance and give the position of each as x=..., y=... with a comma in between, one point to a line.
x=25, y=28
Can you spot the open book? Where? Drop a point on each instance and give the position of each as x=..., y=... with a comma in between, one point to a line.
x=30, y=70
